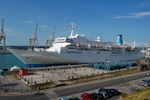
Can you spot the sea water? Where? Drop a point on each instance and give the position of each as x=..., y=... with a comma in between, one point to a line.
x=9, y=60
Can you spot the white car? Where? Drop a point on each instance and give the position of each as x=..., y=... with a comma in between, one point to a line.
x=63, y=98
x=144, y=82
x=148, y=74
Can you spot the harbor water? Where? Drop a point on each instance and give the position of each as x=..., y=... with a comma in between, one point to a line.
x=9, y=60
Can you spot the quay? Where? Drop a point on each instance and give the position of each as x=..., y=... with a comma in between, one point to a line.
x=4, y=52
x=59, y=74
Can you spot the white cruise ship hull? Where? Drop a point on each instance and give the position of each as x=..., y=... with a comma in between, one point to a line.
x=45, y=58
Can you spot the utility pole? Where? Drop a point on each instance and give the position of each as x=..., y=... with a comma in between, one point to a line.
x=31, y=88
x=2, y=35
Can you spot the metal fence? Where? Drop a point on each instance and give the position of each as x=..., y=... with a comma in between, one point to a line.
x=13, y=87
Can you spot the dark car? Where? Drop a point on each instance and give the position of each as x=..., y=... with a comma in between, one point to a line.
x=115, y=91
x=110, y=93
x=86, y=96
x=95, y=96
x=101, y=96
x=104, y=92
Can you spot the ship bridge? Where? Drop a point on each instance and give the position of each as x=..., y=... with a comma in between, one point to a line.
x=63, y=40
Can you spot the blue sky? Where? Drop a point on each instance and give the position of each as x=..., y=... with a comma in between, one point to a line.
x=94, y=18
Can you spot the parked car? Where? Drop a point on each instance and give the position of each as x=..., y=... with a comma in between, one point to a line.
x=144, y=82
x=63, y=98
x=86, y=96
x=95, y=96
x=148, y=74
x=115, y=91
x=74, y=98
x=104, y=92
x=101, y=96
x=110, y=93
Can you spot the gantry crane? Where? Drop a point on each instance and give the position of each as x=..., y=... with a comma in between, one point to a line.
x=2, y=35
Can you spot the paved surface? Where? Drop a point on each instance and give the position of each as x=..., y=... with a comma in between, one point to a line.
x=10, y=84
x=98, y=84
x=121, y=83
x=17, y=90
x=24, y=97
x=58, y=75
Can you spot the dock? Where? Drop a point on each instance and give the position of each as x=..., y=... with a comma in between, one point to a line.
x=4, y=51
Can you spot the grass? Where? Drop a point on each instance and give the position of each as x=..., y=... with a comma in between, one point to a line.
x=137, y=95
x=42, y=86
x=16, y=76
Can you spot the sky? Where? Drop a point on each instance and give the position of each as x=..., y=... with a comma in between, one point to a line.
x=93, y=18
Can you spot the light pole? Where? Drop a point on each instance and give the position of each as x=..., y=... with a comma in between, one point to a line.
x=31, y=89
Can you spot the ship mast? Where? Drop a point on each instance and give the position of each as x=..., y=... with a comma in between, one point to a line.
x=134, y=46
x=2, y=35
x=34, y=39
x=52, y=38
x=72, y=29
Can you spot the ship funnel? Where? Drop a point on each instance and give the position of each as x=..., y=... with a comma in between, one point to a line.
x=119, y=40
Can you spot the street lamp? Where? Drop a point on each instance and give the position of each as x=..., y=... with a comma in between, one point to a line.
x=31, y=89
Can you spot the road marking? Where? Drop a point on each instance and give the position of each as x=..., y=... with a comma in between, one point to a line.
x=51, y=95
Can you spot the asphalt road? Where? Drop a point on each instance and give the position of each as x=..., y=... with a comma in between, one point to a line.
x=98, y=84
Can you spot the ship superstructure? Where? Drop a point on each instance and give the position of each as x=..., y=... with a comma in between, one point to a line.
x=77, y=49
x=148, y=53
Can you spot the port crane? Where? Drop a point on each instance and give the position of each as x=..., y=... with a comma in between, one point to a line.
x=33, y=41
x=2, y=35
x=52, y=38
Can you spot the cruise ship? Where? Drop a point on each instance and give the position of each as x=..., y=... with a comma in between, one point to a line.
x=77, y=49
x=148, y=53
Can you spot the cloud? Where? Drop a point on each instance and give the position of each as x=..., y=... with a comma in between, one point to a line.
x=144, y=4
x=43, y=26
x=29, y=22
x=135, y=15
x=7, y=29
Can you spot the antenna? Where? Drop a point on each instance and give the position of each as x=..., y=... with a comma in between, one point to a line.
x=53, y=34
x=2, y=35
